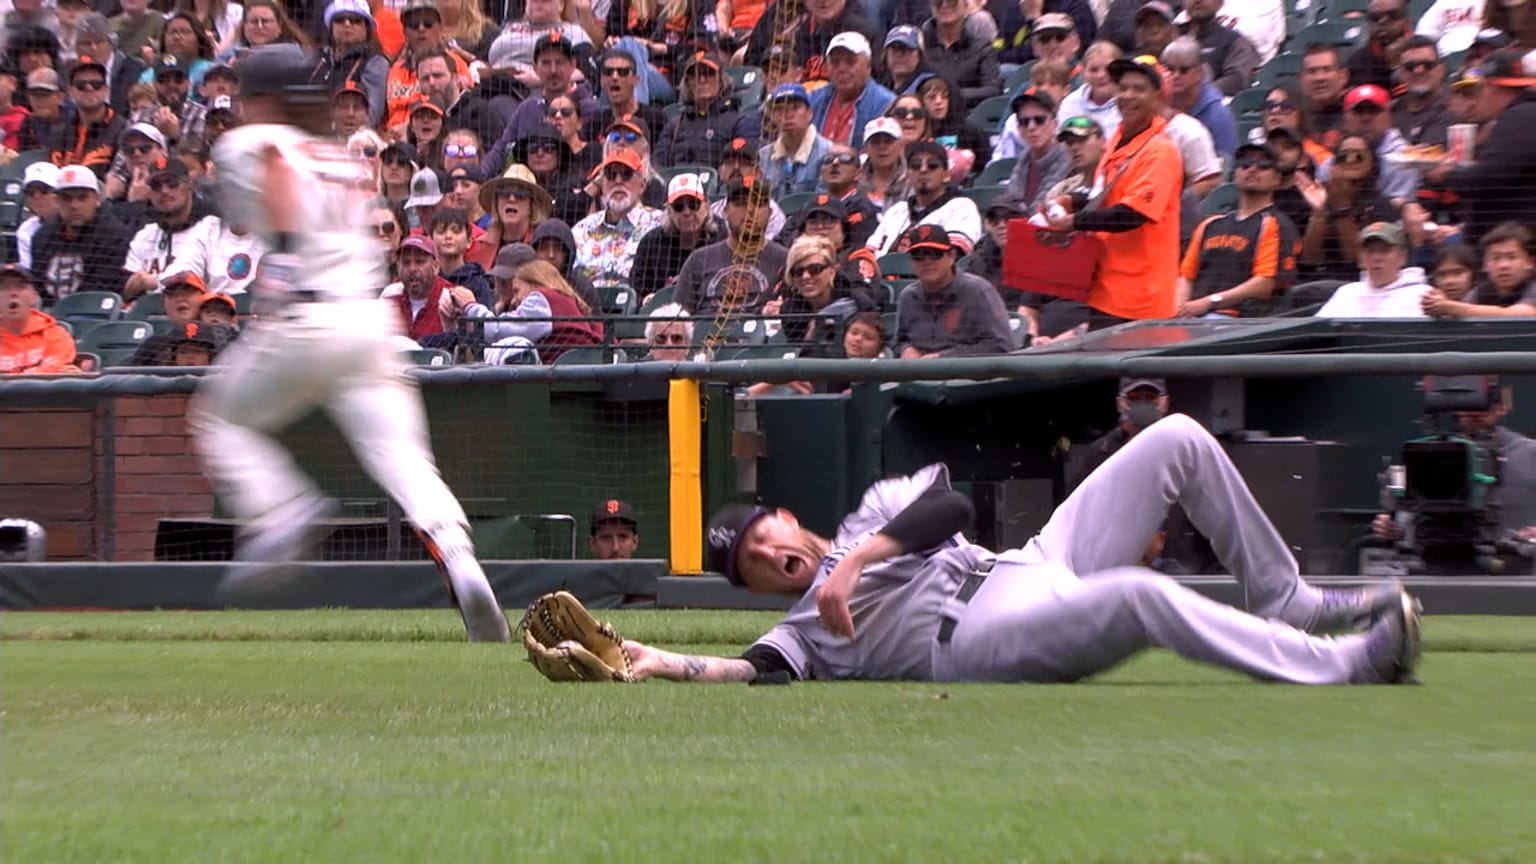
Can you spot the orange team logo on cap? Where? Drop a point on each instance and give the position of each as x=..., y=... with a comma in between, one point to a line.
x=191, y=328
x=738, y=143
x=925, y=233
x=611, y=506
x=822, y=199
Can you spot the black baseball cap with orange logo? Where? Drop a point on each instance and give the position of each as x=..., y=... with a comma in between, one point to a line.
x=738, y=148
x=613, y=510
x=929, y=237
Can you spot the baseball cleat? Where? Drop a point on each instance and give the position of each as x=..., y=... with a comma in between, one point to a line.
x=1354, y=609
x=1393, y=645
x=265, y=554
x=484, y=620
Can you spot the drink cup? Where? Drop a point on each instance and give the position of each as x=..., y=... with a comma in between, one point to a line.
x=1460, y=137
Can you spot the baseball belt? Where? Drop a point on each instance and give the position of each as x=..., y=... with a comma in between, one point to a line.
x=968, y=589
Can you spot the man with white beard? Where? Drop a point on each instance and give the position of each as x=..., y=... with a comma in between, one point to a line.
x=606, y=241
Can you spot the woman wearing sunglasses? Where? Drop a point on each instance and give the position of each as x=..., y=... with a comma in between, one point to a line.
x=517, y=204
x=815, y=285
x=1341, y=207
x=697, y=135
x=397, y=165
x=549, y=158
x=686, y=225
x=352, y=53
x=564, y=113
x=1285, y=107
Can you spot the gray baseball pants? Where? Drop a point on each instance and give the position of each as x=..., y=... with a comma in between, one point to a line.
x=1073, y=601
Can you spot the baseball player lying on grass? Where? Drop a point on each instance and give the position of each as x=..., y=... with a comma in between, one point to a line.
x=899, y=594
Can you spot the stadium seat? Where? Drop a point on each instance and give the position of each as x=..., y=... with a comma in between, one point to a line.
x=1018, y=79
x=747, y=331
x=1343, y=32
x=745, y=77
x=114, y=341
x=1221, y=200
x=893, y=289
x=988, y=115
x=1281, y=66
x=429, y=357
x=617, y=300
x=983, y=196
x=662, y=297
x=996, y=173
x=896, y=265
x=591, y=355
x=756, y=352
x=1248, y=103
x=792, y=203
x=88, y=307
x=1017, y=328
x=148, y=306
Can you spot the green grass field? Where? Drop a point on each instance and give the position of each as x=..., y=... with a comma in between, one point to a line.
x=375, y=736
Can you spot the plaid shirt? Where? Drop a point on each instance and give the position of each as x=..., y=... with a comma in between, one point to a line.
x=605, y=253
x=193, y=119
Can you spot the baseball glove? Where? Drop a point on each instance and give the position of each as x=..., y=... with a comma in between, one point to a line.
x=565, y=643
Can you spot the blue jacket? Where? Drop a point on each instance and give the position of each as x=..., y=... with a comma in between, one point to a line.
x=870, y=105
x=1213, y=112
x=790, y=175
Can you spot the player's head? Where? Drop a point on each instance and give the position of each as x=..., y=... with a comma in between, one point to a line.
x=766, y=550
x=615, y=531
x=275, y=87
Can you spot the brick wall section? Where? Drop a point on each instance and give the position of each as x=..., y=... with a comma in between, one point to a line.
x=158, y=472
x=48, y=459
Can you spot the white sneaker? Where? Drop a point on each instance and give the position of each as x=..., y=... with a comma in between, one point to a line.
x=267, y=550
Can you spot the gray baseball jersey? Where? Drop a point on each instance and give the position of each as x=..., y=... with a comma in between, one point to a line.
x=896, y=604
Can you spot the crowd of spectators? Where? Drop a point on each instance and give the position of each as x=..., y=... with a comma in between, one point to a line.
x=840, y=178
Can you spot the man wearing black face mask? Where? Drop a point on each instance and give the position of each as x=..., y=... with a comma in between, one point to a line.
x=1177, y=549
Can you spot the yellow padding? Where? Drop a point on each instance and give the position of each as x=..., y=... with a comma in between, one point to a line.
x=687, y=493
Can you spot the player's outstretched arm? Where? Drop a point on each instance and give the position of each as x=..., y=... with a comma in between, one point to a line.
x=648, y=662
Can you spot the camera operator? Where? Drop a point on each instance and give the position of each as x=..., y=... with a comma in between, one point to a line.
x=1177, y=549
x=1515, y=493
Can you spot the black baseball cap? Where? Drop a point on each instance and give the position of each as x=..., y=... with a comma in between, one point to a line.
x=613, y=510
x=18, y=271
x=1264, y=150
x=1146, y=64
x=556, y=41
x=1129, y=384
x=826, y=204
x=928, y=148
x=722, y=539
x=198, y=333
x=1286, y=132
x=1035, y=95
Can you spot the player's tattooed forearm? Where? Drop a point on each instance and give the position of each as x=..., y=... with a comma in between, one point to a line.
x=685, y=667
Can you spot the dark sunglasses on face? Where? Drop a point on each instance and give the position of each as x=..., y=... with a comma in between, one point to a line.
x=909, y=113
x=838, y=159
x=669, y=339
x=165, y=183
x=384, y=229
x=40, y=92
x=560, y=112
x=1417, y=66
x=618, y=174
x=925, y=165
x=516, y=192
x=926, y=255
x=618, y=137
x=90, y=84
x=1050, y=36
x=543, y=147
x=1272, y=105
x=1261, y=164
x=1182, y=70
x=699, y=70
x=617, y=71
x=1027, y=120
x=396, y=159
x=137, y=149
x=811, y=270
x=685, y=204
x=461, y=151
x=419, y=22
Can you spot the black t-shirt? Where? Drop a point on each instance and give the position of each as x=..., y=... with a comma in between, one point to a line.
x=1487, y=295
x=1227, y=251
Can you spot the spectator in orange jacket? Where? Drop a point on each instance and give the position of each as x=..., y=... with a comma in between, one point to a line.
x=424, y=34
x=30, y=341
